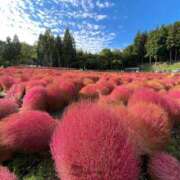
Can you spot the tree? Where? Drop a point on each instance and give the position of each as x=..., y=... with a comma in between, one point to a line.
x=16, y=48
x=162, y=34
x=152, y=46
x=129, y=58
x=108, y=56
x=11, y=50
x=139, y=46
x=45, y=48
x=177, y=40
x=57, y=58
x=28, y=54
x=69, y=49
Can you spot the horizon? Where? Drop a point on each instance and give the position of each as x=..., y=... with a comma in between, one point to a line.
x=95, y=25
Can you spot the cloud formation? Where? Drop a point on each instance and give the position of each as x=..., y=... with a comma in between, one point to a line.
x=29, y=18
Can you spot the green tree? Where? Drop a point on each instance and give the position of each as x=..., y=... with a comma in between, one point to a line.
x=28, y=54
x=16, y=45
x=45, y=48
x=177, y=40
x=129, y=58
x=139, y=46
x=69, y=49
x=12, y=51
x=57, y=58
x=152, y=46
x=108, y=56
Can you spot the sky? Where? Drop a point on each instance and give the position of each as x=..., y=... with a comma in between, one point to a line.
x=95, y=24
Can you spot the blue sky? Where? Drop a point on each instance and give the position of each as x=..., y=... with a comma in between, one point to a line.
x=95, y=24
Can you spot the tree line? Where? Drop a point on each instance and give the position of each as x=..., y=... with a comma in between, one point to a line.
x=159, y=45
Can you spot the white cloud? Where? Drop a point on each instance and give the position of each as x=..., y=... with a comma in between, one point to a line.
x=101, y=17
x=105, y=4
x=29, y=18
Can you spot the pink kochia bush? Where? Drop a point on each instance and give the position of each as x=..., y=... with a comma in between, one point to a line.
x=163, y=166
x=6, y=82
x=28, y=131
x=148, y=95
x=89, y=92
x=69, y=89
x=5, y=174
x=150, y=127
x=121, y=94
x=55, y=98
x=7, y=107
x=35, y=99
x=91, y=142
x=16, y=93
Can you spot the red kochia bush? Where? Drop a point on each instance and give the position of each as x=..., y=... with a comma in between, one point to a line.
x=92, y=143
x=121, y=94
x=69, y=89
x=7, y=107
x=35, y=99
x=175, y=94
x=89, y=92
x=33, y=83
x=16, y=92
x=55, y=97
x=5, y=174
x=148, y=95
x=6, y=82
x=163, y=166
x=28, y=131
x=150, y=126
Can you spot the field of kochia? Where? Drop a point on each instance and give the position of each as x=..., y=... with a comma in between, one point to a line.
x=78, y=125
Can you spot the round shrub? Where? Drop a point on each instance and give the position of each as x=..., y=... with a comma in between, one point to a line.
x=104, y=87
x=55, y=98
x=6, y=82
x=7, y=107
x=34, y=83
x=163, y=166
x=16, y=93
x=69, y=89
x=35, y=99
x=148, y=95
x=28, y=131
x=92, y=143
x=89, y=92
x=149, y=126
x=121, y=93
x=5, y=174
x=175, y=94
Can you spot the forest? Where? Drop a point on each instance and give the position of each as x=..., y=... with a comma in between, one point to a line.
x=159, y=45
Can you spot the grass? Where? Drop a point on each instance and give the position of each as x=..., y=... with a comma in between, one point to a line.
x=37, y=166
x=161, y=67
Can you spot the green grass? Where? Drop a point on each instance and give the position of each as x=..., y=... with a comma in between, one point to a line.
x=37, y=166
x=174, y=146
x=161, y=67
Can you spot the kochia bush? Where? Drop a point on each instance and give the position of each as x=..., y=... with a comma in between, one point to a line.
x=148, y=95
x=163, y=166
x=149, y=126
x=16, y=93
x=121, y=94
x=7, y=107
x=55, y=98
x=35, y=99
x=5, y=174
x=28, y=131
x=92, y=143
